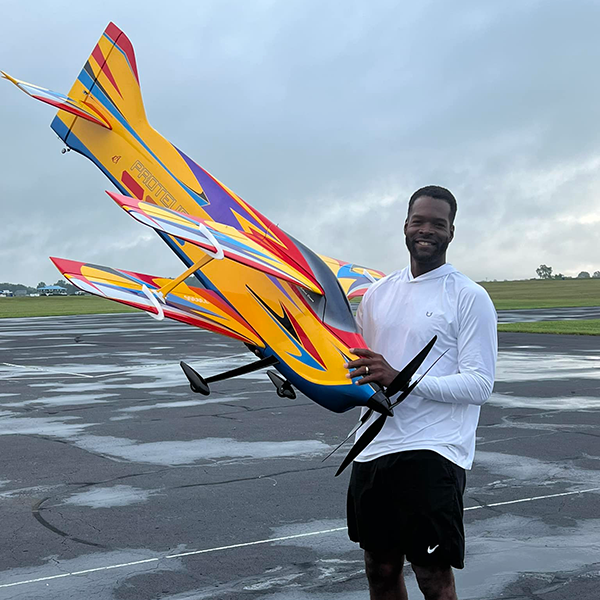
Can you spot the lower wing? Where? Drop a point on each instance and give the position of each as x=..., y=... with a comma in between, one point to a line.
x=192, y=305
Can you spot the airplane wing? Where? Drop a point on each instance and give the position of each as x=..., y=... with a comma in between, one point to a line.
x=192, y=305
x=354, y=279
x=217, y=239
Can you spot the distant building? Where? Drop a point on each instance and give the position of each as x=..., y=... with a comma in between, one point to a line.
x=52, y=290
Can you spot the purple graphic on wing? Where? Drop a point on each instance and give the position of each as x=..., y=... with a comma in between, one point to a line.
x=221, y=204
x=278, y=284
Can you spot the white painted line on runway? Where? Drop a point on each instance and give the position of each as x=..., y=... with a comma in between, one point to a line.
x=259, y=542
x=531, y=499
x=244, y=544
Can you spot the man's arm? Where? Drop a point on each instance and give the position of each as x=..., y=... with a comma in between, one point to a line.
x=477, y=353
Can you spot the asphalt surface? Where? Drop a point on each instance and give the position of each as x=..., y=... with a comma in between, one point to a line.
x=548, y=314
x=118, y=483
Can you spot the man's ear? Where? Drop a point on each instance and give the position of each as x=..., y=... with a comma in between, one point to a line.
x=451, y=233
x=405, y=225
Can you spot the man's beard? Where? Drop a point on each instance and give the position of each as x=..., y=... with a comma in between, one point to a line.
x=426, y=257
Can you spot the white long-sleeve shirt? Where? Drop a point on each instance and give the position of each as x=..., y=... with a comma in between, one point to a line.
x=398, y=316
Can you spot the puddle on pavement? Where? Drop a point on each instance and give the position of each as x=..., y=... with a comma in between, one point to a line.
x=181, y=404
x=64, y=400
x=556, y=403
x=530, y=472
x=63, y=428
x=189, y=452
x=536, y=366
x=97, y=585
x=109, y=497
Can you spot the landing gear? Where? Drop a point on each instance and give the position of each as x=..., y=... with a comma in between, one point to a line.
x=283, y=386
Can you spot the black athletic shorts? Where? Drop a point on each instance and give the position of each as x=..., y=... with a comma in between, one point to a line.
x=410, y=501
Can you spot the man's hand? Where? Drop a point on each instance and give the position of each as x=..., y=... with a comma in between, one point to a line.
x=372, y=366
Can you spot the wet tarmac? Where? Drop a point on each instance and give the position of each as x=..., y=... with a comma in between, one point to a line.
x=118, y=483
x=548, y=314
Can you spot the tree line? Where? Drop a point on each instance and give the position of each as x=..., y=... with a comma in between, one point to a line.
x=545, y=272
x=14, y=287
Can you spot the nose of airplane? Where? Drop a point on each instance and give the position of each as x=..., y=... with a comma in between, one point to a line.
x=380, y=403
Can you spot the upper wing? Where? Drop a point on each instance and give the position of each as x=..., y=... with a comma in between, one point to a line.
x=220, y=240
x=354, y=279
x=192, y=305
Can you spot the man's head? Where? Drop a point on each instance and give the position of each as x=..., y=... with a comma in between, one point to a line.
x=429, y=227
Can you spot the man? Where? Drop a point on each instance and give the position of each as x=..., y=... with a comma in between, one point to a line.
x=405, y=499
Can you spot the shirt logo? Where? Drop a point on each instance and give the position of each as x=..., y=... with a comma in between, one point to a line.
x=428, y=314
x=431, y=550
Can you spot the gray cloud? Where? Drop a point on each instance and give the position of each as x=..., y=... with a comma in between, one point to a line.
x=326, y=116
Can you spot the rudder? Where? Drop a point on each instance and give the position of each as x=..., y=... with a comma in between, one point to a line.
x=108, y=83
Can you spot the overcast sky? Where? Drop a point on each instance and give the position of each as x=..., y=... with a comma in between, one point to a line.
x=325, y=116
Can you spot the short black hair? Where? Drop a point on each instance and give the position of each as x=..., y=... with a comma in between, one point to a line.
x=437, y=192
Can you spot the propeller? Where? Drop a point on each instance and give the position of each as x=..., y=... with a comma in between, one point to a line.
x=401, y=383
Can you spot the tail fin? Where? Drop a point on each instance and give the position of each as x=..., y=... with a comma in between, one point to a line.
x=108, y=84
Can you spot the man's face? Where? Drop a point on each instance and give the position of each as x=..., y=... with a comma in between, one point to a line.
x=428, y=231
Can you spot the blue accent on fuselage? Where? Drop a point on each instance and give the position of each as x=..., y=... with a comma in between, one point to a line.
x=336, y=398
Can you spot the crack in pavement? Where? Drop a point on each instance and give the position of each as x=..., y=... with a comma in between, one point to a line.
x=255, y=477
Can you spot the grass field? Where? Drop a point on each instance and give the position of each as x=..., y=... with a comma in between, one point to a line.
x=543, y=293
x=46, y=306
x=579, y=327
x=505, y=294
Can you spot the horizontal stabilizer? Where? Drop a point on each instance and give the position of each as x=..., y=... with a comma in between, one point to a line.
x=354, y=279
x=60, y=101
x=195, y=306
x=216, y=239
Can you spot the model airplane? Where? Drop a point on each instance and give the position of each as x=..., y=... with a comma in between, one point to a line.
x=255, y=283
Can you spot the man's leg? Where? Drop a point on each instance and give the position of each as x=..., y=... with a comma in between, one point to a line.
x=385, y=575
x=436, y=583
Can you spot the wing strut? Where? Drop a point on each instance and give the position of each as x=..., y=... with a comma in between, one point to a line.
x=169, y=287
x=157, y=297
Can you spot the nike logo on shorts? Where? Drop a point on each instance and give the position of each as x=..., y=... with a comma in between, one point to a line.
x=431, y=550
